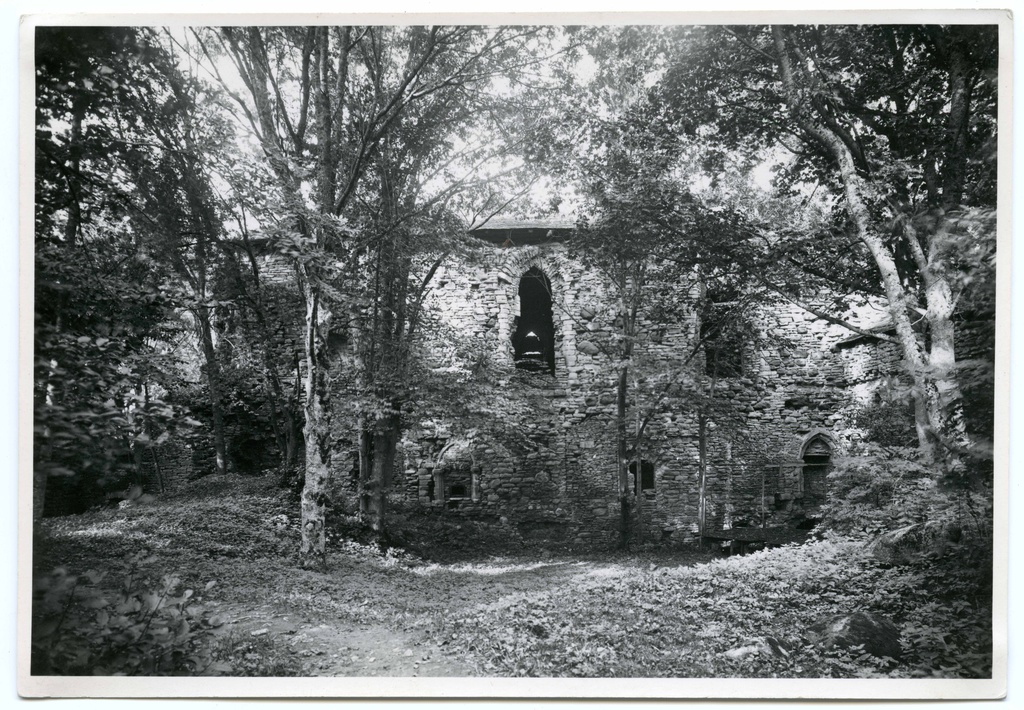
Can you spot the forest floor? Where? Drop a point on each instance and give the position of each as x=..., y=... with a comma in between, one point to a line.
x=466, y=610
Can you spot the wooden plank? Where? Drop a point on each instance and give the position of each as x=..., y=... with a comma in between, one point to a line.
x=775, y=536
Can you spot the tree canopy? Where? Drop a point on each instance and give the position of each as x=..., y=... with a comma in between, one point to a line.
x=830, y=167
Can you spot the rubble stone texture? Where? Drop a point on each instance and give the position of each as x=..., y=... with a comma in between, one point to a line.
x=797, y=393
x=552, y=472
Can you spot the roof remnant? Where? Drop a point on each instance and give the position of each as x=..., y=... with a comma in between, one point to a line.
x=515, y=231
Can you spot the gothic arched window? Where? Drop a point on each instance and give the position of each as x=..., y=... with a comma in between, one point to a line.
x=533, y=339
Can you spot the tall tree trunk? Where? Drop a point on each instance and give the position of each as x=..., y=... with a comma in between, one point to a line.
x=286, y=144
x=628, y=305
x=702, y=476
x=212, y=370
x=40, y=477
x=378, y=447
x=926, y=405
x=74, y=223
x=319, y=316
x=623, y=457
x=43, y=449
x=206, y=228
x=638, y=478
x=385, y=448
x=363, y=483
x=317, y=431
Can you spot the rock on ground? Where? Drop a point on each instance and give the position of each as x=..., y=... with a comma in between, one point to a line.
x=877, y=634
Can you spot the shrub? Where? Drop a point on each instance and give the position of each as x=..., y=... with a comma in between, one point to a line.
x=878, y=491
x=141, y=628
x=888, y=492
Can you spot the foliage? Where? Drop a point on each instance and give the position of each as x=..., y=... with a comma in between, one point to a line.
x=242, y=654
x=908, y=512
x=366, y=132
x=435, y=537
x=110, y=288
x=249, y=426
x=142, y=628
x=906, y=170
x=532, y=614
x=879, y=490
x=679, y=622
x=889, y=420
x=101, y=320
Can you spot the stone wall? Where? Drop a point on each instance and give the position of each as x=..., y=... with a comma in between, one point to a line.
x=798, y=386
x=552, y=472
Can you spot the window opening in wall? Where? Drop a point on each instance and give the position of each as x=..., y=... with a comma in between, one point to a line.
x=458, y=482
x=723, y=348
x=817, y=459
x=645, y=482
x=533, y=339
x=354, y=471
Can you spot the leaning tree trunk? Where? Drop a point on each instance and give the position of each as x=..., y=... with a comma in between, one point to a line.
x=936, y=391
x=930, y=388
x=927, y=415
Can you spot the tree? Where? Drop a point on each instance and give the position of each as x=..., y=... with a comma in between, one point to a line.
x=178, y=212
x=105, y=305
x=900, y=123
x=322, y=101
x=647, y=234
x=449, y=150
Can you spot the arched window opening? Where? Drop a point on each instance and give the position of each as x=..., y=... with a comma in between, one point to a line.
x=534, y=337
x=645, y=482
x=816, y=462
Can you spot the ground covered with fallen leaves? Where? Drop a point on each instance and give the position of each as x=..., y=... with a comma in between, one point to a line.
x=208, y=583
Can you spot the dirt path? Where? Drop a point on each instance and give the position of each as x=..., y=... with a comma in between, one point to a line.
x=367, y=614
x=397, y=631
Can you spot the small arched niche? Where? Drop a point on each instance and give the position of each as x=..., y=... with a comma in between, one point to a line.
x=533, y=339
x=817, y=459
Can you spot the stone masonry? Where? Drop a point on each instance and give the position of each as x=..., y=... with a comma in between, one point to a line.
x=553, y=472
x=795, y=397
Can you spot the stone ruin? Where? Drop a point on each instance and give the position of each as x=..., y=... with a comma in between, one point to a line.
x=543, y=315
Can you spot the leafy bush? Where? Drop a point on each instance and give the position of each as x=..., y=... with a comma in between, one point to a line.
x=887, y=492
x=936, y=540
x=889, y=420
x=878, y=491
x=141, y=628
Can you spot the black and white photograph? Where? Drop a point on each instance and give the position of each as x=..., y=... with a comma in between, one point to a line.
x=483, y=357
